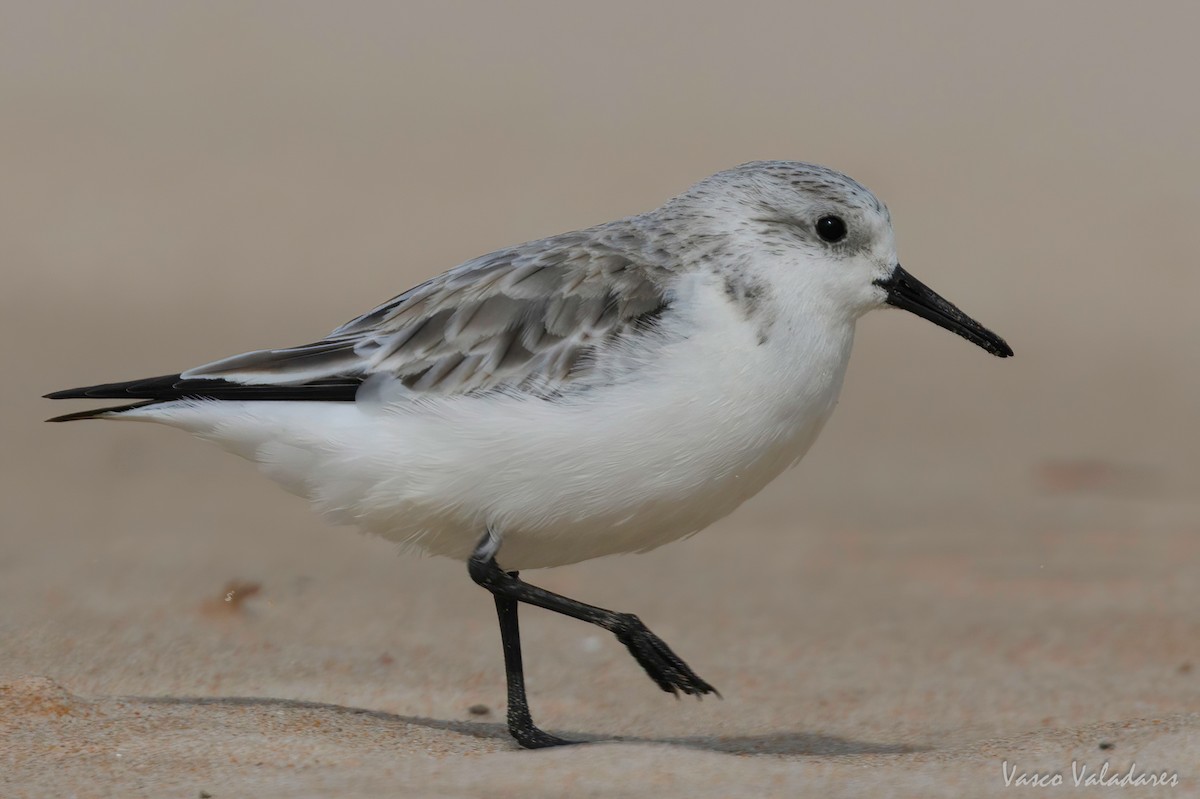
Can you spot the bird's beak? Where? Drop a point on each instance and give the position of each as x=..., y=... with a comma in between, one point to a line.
x=905, y=291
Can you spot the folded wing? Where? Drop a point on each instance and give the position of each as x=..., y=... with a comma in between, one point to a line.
x=534, y=318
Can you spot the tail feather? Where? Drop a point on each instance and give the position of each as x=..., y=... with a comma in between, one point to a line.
x=96, y=413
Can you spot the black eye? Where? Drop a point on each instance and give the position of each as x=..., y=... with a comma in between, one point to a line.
x=831, y=228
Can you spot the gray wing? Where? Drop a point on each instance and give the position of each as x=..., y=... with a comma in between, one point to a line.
x=534, y=318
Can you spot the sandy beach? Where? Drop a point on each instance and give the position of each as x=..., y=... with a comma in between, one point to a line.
x=983, y=569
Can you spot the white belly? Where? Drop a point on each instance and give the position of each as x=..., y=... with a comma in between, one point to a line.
x=622, y=468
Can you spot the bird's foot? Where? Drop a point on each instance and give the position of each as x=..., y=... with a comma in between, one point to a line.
x=532, y=737
x=666, y=668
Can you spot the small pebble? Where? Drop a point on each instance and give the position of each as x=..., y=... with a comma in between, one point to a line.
x=479, y=710
x=1106, y=745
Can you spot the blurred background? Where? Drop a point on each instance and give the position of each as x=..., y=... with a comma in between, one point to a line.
x=184, y=181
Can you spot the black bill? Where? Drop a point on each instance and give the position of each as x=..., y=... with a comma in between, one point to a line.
x=905, y=291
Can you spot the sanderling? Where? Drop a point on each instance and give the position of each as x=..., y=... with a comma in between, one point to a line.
x=602, y=391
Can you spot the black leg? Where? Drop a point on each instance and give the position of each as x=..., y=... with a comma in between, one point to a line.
x=520, y=722
x=667, y=670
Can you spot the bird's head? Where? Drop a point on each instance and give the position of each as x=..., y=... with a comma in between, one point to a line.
x=819, y=235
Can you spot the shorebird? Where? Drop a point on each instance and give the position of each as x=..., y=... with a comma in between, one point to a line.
x=603, y=391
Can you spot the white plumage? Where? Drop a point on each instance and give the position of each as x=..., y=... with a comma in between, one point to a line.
x=708, y=420
x=603, y=391
x=593, y=393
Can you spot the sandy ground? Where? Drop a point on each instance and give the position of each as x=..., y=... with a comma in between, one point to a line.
x=981, y=563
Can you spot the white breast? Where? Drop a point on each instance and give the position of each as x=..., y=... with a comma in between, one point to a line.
x=622, y=468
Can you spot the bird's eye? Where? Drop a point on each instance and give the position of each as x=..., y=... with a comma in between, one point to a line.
x=831, y=228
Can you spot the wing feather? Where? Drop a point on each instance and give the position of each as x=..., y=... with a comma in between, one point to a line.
x=530, y=318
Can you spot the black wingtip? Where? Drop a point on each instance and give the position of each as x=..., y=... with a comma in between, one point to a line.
x=70, y=393
x=146, y=388
x=343, y=388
